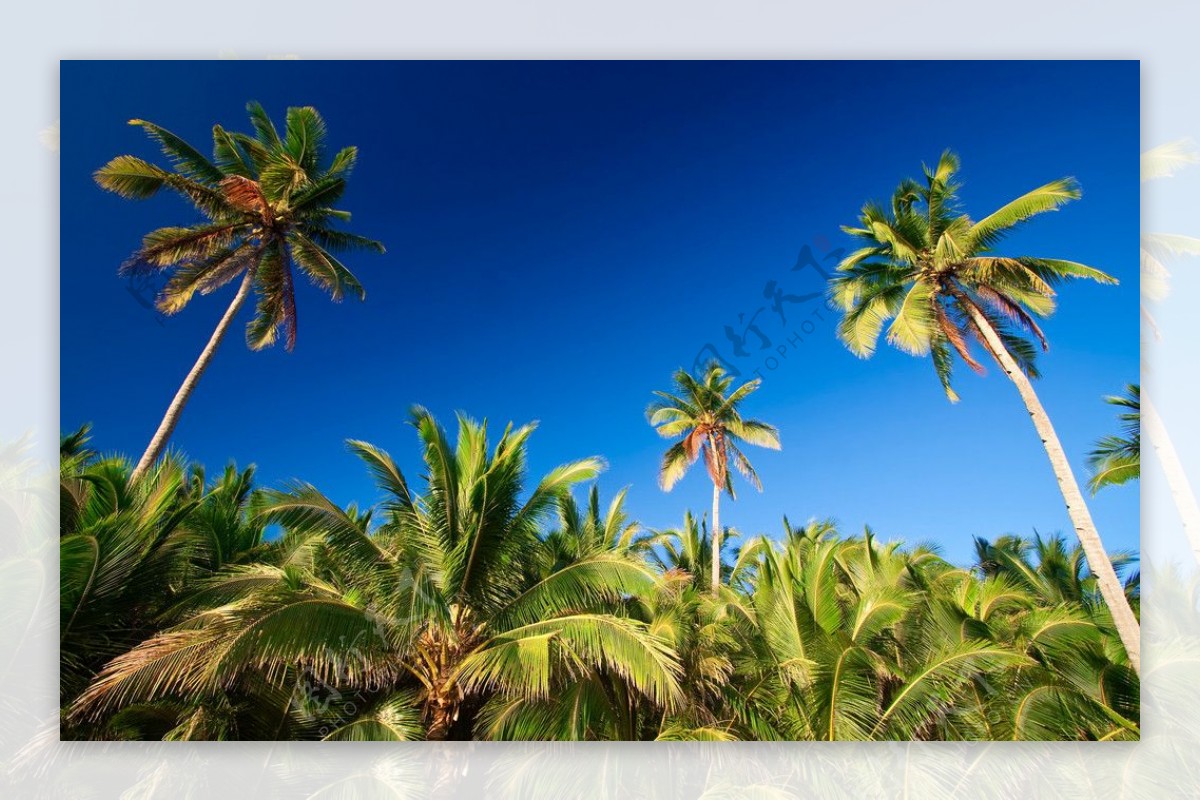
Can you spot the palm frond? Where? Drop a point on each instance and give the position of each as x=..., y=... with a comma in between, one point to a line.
x=987, y=232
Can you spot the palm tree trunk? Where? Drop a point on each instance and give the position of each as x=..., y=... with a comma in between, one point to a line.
x=171, y=418
x=716, y=539
x=441, y=721
x=1177, y=480
x=1081, y=519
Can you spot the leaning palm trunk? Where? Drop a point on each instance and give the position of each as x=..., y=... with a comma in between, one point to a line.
x=716, y=539
x=1081, y=519
x=1177, y=480
x=171, y=418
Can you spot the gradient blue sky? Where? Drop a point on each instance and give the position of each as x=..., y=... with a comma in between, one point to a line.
x=562, y=235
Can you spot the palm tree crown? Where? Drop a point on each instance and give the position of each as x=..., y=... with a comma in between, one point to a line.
x=931, y=270
x=446, y=607
x=706, y=416
x=269, y=203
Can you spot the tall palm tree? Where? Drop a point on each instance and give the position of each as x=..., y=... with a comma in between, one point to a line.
x=933, y=272
x=704, y=413
x=1117, y=458
x=268, y=200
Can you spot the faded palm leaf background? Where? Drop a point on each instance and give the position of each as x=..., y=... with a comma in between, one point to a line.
x=1161, y=765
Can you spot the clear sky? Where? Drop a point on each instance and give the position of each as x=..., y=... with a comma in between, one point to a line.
x=563, y=235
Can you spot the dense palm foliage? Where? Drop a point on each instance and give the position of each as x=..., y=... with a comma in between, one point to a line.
x=705, y=418
x=129, y=549
x=269, y=205
x=934, y=273
x=438, y=610
x=478, y=604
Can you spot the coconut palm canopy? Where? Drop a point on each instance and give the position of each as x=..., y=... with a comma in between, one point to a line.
x=481, y=602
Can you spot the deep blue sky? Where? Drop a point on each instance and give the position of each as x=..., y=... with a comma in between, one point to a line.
x=562, y=235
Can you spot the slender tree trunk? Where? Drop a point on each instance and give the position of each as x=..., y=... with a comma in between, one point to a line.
x=171, y=418
x=1177, y=480
x=1106, y=577
x=716, y=539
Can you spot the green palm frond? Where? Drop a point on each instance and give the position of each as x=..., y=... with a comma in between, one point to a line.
x=229, y=155
x=1116, y=459
x=873, y=306
x=396, y=719
x=523, y=659
x=184, y=158
x=912, y=331
x=987, y=232
x=1054, y=271
x=136, y=179
x=589, y=583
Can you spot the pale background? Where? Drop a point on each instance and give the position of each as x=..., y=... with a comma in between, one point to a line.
x=34, y=764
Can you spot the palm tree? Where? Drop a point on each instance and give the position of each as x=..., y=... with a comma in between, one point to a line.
x=705, y=414
x=268, y=201
x=430, y=609
x=932, y=271
x=1117, y=458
